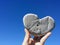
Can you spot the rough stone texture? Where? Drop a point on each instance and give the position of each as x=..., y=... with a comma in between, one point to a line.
x=37, y=26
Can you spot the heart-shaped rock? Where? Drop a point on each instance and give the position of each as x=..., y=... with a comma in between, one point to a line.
x=38, y=26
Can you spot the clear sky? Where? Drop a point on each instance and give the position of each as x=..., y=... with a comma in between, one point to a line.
x=11, y=23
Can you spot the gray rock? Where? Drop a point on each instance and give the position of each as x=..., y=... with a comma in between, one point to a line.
x=37, y=26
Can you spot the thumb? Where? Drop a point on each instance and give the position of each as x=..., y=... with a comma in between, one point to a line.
x=43, y=39
x=27, y=36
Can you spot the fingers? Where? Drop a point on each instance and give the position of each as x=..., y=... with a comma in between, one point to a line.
x=31, y=40
x=43, y=39
x=27, y=36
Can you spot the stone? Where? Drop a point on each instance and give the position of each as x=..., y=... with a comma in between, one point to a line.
x=37, y=26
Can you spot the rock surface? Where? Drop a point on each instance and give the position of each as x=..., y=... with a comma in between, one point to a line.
x=37, y=26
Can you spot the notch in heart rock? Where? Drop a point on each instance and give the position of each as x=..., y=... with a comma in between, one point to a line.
x=37, y=26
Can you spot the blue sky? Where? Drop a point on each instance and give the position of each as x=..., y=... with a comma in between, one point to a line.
x=11, y=23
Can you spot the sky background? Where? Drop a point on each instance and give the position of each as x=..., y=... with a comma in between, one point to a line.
x=11, y=19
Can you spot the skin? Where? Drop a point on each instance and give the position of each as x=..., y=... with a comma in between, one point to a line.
x=36, y=40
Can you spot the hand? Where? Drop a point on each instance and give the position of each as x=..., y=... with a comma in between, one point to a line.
x=36, y=40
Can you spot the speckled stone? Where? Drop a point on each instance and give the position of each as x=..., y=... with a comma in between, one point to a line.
x=37, y=26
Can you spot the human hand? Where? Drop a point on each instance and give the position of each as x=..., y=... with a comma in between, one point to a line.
x=36, y=40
